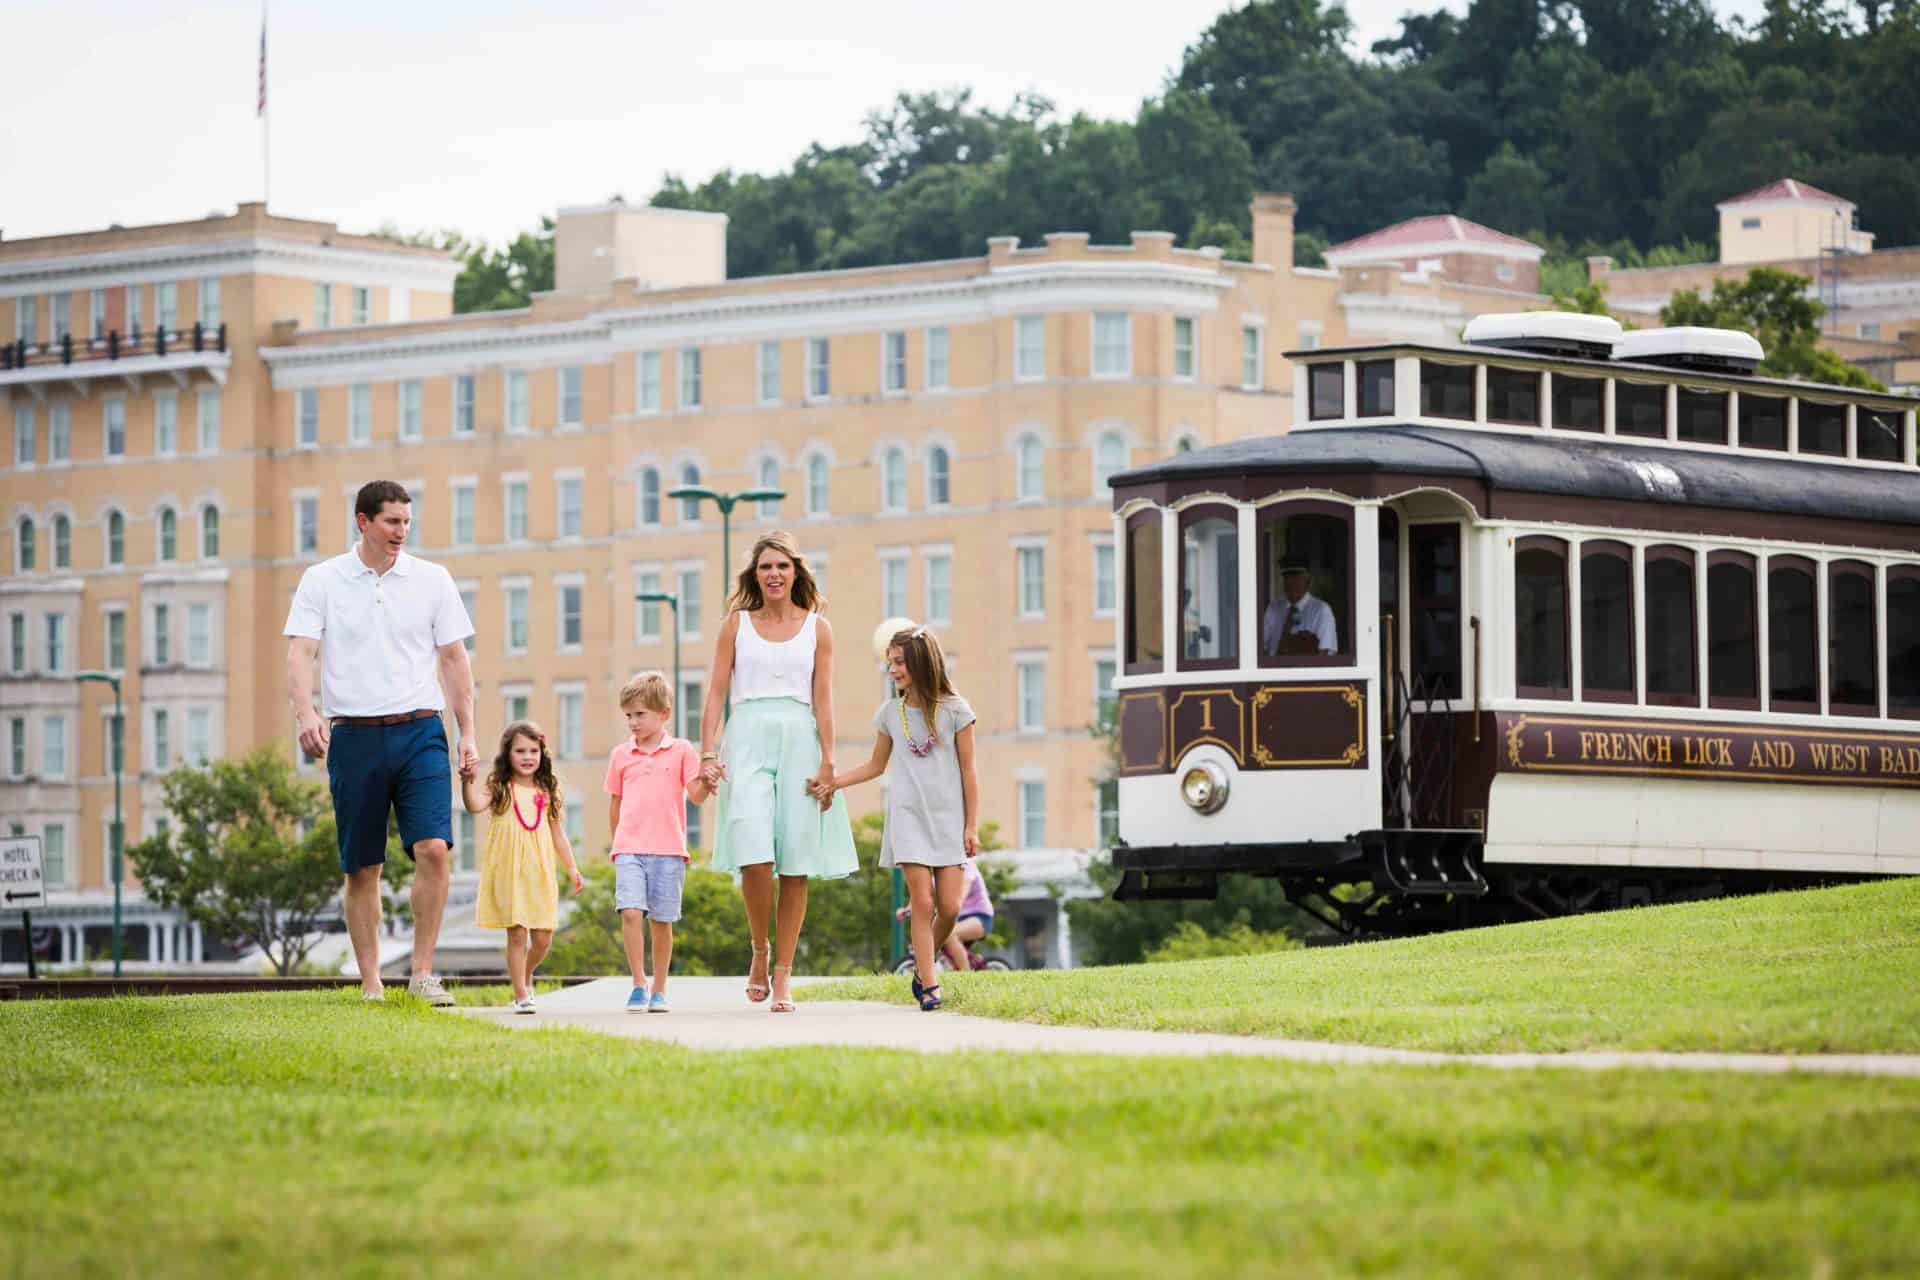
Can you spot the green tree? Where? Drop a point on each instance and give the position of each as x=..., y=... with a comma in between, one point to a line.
x=1773, y=306
x=1511, y=193
x=1110, y=932
x=502, y=279
x=250, y=855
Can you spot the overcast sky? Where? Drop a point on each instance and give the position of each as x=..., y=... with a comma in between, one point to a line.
x=481, y=115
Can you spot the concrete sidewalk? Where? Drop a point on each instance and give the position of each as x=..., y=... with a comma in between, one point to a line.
x=713, y=1013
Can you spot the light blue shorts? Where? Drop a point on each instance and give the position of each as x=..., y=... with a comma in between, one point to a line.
x=649, y=882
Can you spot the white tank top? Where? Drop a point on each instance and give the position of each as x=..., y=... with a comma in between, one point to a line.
x=763, y=669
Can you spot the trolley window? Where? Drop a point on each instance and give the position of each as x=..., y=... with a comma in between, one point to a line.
x=1540, y=618
x=1433, y=629
x=1374, y=380
x=1823, y=428
x=1326, y=390
x=1606, y=622
x=1763, y=421
x=1903, y=641
x=1702, y=416
x=1878, y=434
x=1144, y=604
x=1793, y=630
x=1513, y=396
x=1306, y=584
x=1209, y=588
x=1579, y=404
x=1853, y=641
x=1446, y=390
x=1673, y=652
x=1733, y=669
x=1640, y=409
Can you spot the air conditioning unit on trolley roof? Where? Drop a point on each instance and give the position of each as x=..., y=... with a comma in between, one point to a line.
x=1546, y=333
x=1688, y=347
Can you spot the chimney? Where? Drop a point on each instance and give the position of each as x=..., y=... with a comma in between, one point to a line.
x=1273, y=230
x=1599, y=267
x=594, y=245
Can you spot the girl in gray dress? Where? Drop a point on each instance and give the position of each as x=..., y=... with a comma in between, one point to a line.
x=925, y=747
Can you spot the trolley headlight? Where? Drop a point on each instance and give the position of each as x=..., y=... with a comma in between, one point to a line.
x=1204, y=787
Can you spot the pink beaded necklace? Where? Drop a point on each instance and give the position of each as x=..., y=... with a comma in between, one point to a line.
x=539, y=809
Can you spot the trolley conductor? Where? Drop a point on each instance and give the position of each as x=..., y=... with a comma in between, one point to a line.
x=1299, y=623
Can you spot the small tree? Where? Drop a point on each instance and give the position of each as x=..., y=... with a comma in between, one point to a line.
x=1773, y=306
x=250, y=855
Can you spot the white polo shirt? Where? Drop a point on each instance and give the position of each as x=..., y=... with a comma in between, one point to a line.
x=379, y=633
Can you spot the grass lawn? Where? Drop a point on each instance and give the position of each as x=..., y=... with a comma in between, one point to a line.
x=1831, y=970
x=310, y=1134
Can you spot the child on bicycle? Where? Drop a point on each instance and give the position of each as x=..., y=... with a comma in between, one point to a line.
x=925, y=747
x=975, y=923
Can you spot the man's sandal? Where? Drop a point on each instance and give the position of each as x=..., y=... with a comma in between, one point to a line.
x=783, y=1006
x=757, y=992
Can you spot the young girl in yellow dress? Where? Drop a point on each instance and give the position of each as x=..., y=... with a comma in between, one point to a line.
x=518, y=891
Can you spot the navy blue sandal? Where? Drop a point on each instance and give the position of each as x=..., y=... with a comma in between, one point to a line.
x=929, y=996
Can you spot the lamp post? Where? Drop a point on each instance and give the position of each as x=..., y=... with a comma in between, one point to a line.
x=672, y=600
x=724, y=501
x=118, y=838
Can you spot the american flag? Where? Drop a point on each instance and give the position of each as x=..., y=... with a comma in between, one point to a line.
x=261, y=110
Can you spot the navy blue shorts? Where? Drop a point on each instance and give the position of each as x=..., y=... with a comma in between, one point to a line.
x=986, y=921
x=402, y=768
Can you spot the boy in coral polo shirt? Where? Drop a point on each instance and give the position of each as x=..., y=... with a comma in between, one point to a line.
x=650, y=778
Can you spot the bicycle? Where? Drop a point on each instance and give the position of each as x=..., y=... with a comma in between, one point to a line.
x=989, y=963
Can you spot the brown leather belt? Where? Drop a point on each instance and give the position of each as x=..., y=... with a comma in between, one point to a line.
x=364, y=722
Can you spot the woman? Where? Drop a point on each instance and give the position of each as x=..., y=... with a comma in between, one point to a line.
x=774, y=666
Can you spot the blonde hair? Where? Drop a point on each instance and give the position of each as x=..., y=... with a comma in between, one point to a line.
x=804, y=592
x=926, y=664
x=648, y=688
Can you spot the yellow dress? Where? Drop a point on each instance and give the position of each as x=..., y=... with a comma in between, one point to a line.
x=517, y=885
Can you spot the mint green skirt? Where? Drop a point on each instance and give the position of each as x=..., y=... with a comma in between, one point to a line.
x=772, y=747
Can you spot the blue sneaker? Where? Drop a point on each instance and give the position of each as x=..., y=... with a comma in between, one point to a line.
x=637, y=1000
x=659, y=1003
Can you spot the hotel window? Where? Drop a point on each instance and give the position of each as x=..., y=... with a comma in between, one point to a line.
x=16, y=747
x=1853, y=644
x=649, y=495
x=210, y=303
x=166, y=424
x=768, y=370
x=306, y=526
x=516, y=401
x=166, y=306
x=570, y=409
x=62, y=306
x=133, y=313
x=62, y=542
x=689, y=604
x=819, y=369
x=410, y=411
x=1109, y=458
x=1033, y=815
x=116, y=640
x=116, y=538
x=647, y=620
x=169, y=535
x=360, y=413
x=519, y=707
x=939, y=476
x=323, y=306
x=1105, y=700
x=469, y=601
x=59, y=431
x=516, y=493
x=207, y=421
x=25, y=552
x=1030, y=460
x=307, y=431
x=1030, y=347
x=463, y=405
x=53, y=852
x=362, y=305
x=199, y=635
x=1112, y=344
x=516, y=620
x=819, y=485
x=469, y=856
x=571, y=704
x=939, y=587
x=689, y=507
x=1793, y=635
x=114, y=431
x=1252, y=360
x=689, y=378
x=893, y=361
x=938, y=363
x=1106, y=591
x=162, y=635
x=1183, y=353
x=1030, y=582
x=767, y=476
x=893, y=584
x=209, y=532
x=647, y=382
x=569, y=518
x=26, y=315
x=57, y=643
x=893, y=479
x=570, y=621
x=199, y=735
x=25, y=447
x=97, y=315
x=1309, y=335
x=16, y=643
x=53, y=747
x=1030, y=684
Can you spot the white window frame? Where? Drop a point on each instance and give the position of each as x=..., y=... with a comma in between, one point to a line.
x=199, y=648
x=1105, y=469
x=360, y=414
x=159, y=637
x=58, y=636
x=570, y=738
x=893, y=362
x=646, y=382
x=690, y=615
x=306, y=501
x=1104, y=346
x=640, y=517
x=944, y=472
x=466, y=411
x=206, y=421
x=1189, y=349
x=562, y=584
x=1105, y=553
x=1311, y=334
x=53, y=764
x=208, y=303
x=361, y=302
x=577, y=478
x=209, y=526
x=648, y=577
x=520, y=693
x=1095, y=661
x=1022, y=491
x=938, y=358
x=198, y=751
x=519, y=403
x=893, y=479
x=573, y=398
x=60, y=316
x=166, y=419
x=766, y=372
x=322, y=306
x=108, y=613
x=59, y=433
x=819, y=368
x=113, y=421
x=19, y=661
x=512, y=484
x=1025, y=802
x=818, y=510
x=25, y=435
x=762, y=479
x=410, y=412
x=161, y=552
x=1029, y=356
x=691, y=393
x=1258, y=356
x=306, y=418
x=1030, y=578
x=520, y=588
x=96, y=315
x=895, y=563
x=691, y=473
x=166, y=306
x=938, y=597
x=469, y=590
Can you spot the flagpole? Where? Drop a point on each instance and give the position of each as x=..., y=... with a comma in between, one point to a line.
x=266, y=120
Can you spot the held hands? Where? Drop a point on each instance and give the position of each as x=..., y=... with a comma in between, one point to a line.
x=822, y=786
x=713, y=773
x=469, y=759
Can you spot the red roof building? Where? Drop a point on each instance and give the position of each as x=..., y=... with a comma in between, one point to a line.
x=1447, y=245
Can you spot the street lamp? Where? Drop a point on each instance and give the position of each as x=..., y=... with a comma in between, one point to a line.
x=724, y=501
x=118, y=838
x=672, y=600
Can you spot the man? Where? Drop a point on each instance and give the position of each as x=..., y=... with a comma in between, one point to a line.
x=389, y=631
x=1302, y=623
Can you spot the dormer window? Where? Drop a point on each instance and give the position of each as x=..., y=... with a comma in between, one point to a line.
x=1579, y=404
x=1763, y=421
x=1823, y=429
x=1640, y=409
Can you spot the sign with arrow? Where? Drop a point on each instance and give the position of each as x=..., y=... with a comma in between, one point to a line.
x=23, y=881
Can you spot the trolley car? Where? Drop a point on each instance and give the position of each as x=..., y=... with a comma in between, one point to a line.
x=1558, y=620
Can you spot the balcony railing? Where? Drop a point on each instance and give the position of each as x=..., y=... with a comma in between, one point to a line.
x=21, y=354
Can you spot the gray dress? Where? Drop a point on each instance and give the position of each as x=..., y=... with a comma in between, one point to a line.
x=926, y=810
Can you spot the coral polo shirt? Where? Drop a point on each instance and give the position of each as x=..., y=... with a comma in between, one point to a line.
x=652, y=786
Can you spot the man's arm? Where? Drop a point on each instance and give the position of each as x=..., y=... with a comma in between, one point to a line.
x=302, y=653
x=1326, y=631
x=456, y=678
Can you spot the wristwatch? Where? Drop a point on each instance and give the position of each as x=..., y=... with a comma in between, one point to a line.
x=709, y=755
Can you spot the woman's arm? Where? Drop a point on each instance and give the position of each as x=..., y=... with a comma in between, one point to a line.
x=473, y=793
x=875, y=766
x=969, y=789
x=823, y=708
x=719, y=685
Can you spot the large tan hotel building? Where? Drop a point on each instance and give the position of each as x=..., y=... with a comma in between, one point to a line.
x=189, y=408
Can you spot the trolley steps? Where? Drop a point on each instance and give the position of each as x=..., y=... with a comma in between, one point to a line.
x=1429, y=860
